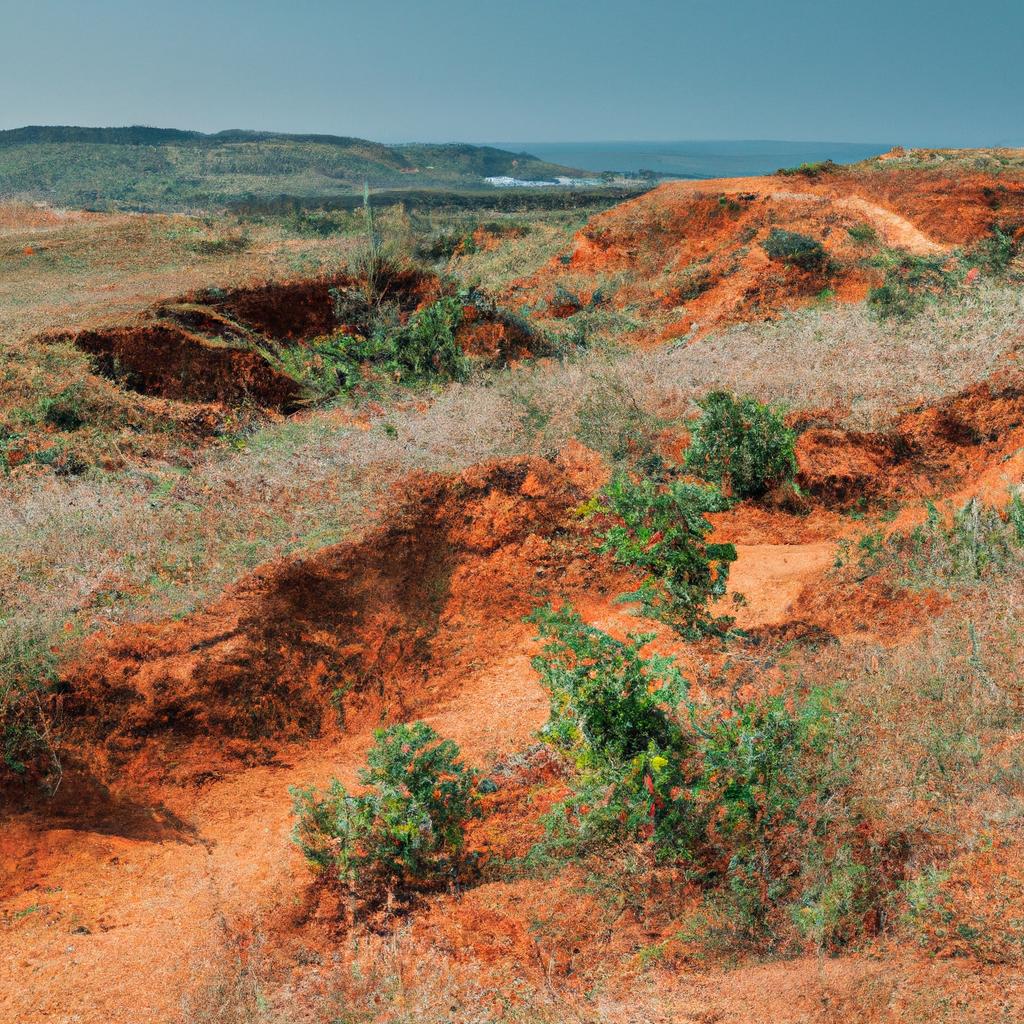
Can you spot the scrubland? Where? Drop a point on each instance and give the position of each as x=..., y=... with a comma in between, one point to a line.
x=778, y=780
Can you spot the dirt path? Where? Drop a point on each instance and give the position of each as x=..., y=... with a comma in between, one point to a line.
x=893, y=229
x=772, y=576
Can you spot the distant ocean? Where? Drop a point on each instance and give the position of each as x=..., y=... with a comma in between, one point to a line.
x=694, y=159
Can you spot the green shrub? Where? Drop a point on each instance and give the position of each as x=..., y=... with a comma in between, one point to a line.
x=760, y=766
x=910, y=283
x=608, y=704
x=422, y=351
x=743, y=446
x=65, y=409
x=661, y=529
x=27, y=677
x=750, y=797
x=425, y=349
x=796, y=250
x=620, y=717
x=863, y=234
x=406, y=829
x=809, y=170
x=995, y=253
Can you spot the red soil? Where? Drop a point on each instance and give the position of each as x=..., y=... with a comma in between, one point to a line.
x=206, y=347
x=689, y=254
x=163, y=866
x=167, y=848
x=165, y=361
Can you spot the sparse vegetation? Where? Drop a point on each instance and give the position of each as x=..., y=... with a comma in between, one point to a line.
x=911, y=282
x=796, y=250
x=950, y=548
x=794, y=795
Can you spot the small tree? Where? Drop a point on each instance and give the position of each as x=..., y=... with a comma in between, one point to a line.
x=743, y=446
x=406, y=829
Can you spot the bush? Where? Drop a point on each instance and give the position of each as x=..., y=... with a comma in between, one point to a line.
x=796, y=250
x=662, y=530
x=809, y=170
x=607, y=703
x=863, y=234
x=752, y=797
x=423, y=350
x=407, y=829
x=619, y=717
x=65, y=409
x=910, y=283
x=743, y=446
x=27, y=678
x=995, y=253
x=760, y=786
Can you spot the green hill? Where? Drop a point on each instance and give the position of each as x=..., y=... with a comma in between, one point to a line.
x=165, y=168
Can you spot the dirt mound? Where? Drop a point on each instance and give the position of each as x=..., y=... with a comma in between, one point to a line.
x=215, y=346
x=689, y=256
x=301, y=310
x=301, y=646
x=939, y=443
x=954, y=209
x=164, y=360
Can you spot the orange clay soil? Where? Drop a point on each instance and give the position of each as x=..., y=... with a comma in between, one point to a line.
x=688, y=255
x=163, y=861
x=210, y=346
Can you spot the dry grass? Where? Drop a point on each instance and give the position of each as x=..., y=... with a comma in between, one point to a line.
x=546, y=236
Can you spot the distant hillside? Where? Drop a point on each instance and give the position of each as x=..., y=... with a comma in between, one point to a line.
x=160, y=168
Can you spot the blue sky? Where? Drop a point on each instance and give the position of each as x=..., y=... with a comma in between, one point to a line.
x=910, y=71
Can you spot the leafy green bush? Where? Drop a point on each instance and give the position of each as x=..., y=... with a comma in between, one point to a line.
x=809, y=170
x=995, y=253
x=421, y=351
x=425, y=349
x=620, y=717
x=612, y=714
x=863, y=234
x=760, y=765
x=64, y=410
x=662, y=530
x=751, y=797
x=27, y=677
x=743, y=446
x=796, y=250
x=406, y=829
